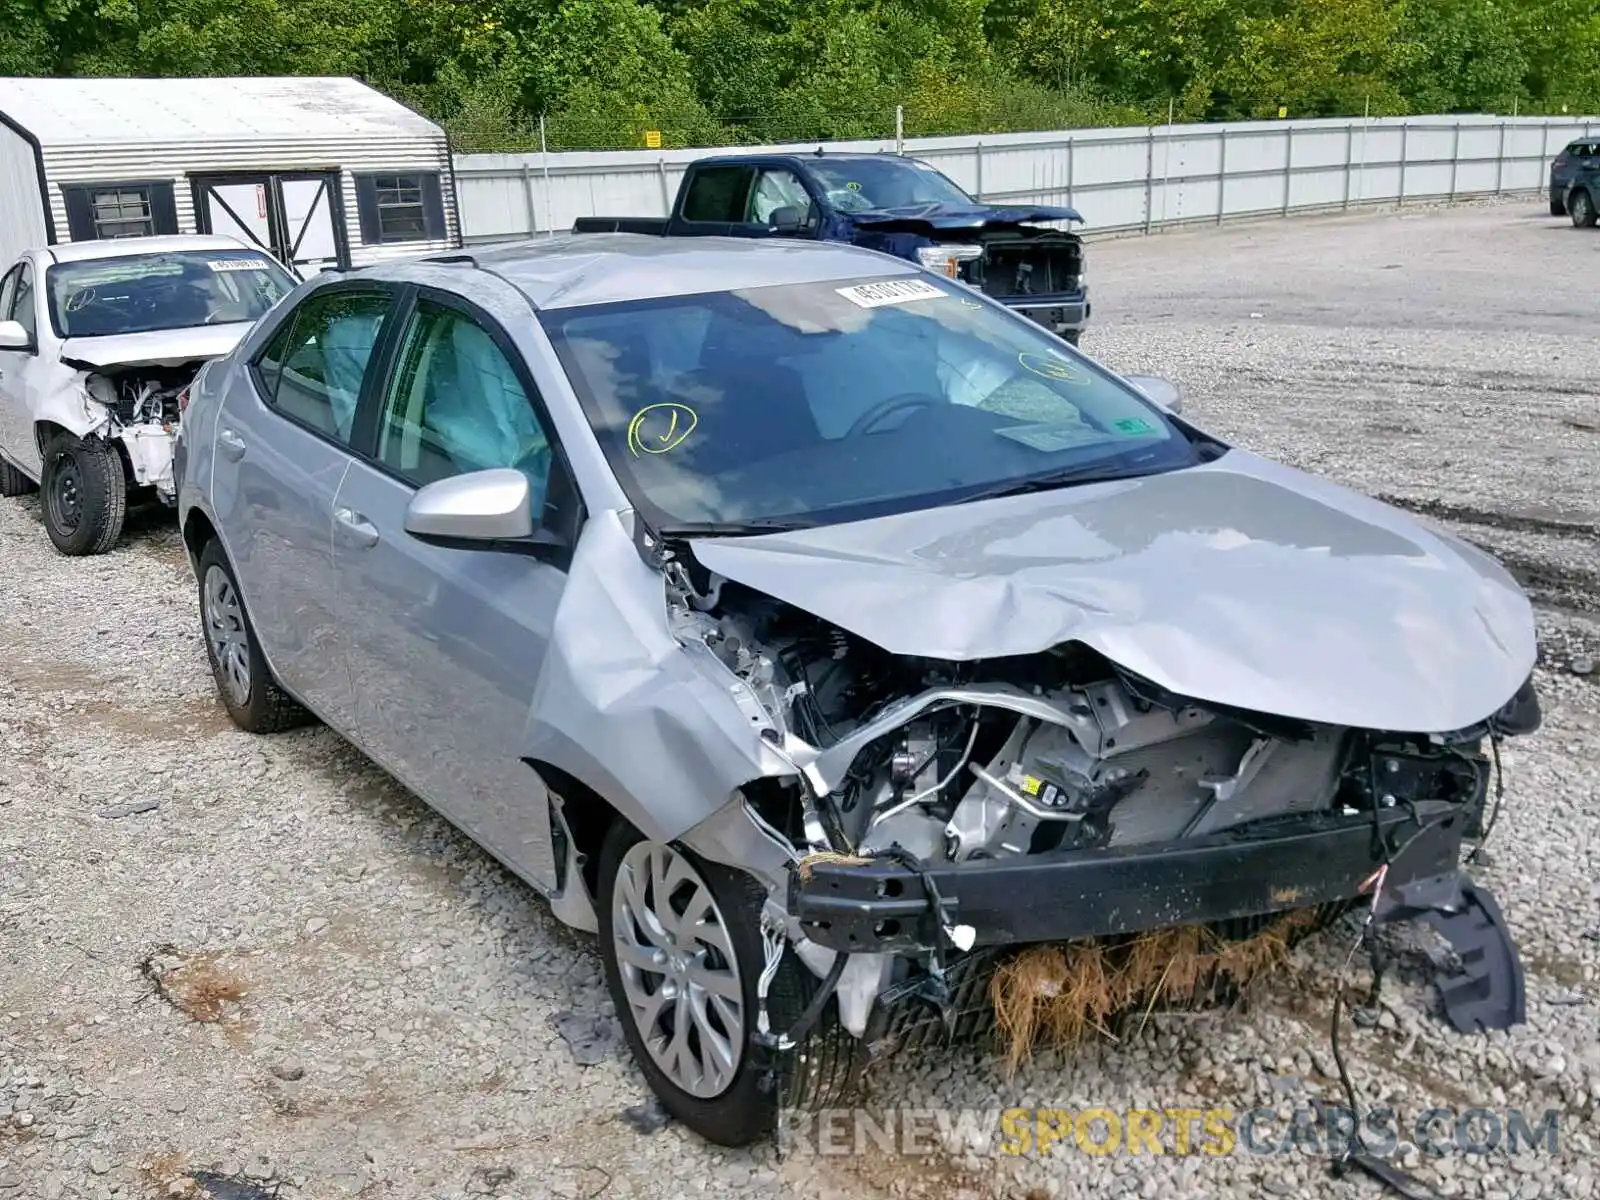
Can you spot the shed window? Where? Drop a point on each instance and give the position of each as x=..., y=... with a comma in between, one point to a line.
x=119, y=210
x=404, y=207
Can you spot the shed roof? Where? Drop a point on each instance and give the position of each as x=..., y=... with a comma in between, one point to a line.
x=61, y=111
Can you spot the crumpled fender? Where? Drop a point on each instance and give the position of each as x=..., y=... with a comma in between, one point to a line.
x=629, y=711
x=71, y=405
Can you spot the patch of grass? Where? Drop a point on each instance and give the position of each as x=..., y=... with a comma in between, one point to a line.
x=1061, y=992
x=199, y=986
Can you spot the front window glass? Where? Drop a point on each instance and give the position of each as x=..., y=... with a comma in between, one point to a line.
x=138, y=293
x=860, y=184
x=828, y=402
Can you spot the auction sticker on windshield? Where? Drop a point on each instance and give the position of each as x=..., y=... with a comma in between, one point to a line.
x=236, y=264
x=890, y=291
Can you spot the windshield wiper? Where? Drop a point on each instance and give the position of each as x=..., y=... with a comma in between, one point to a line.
x=1088, y=473
x=745, y=528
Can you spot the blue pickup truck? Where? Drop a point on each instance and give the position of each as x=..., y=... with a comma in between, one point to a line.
x=890, y=203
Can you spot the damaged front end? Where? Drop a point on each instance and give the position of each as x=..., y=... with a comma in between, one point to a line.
x=138, y=406
x=943, y=817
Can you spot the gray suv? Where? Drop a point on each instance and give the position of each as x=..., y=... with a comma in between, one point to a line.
x=823, y=635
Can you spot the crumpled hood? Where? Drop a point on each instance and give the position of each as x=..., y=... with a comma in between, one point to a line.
x=961, y=216
x=1240, y=582
x=159, y=348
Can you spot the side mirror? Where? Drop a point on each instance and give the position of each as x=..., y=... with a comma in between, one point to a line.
x=486, y=510
x=1161, y=392
x=14, y=337
x=785, y=219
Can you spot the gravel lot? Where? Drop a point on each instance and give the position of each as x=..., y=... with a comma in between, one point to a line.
x=286, y=971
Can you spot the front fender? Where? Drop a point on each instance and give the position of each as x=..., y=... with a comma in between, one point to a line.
x=624, y=707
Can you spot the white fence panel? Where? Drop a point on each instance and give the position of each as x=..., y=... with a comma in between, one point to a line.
x=1118, y=179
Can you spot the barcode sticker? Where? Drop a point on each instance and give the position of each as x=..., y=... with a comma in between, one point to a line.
x=891, y=291
x=237, y=264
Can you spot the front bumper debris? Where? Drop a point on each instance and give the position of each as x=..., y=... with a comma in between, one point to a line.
x=1302, y=861
x=1058, y=316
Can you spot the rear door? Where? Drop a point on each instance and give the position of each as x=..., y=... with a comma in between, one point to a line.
x=283, y=445
x=445, y=645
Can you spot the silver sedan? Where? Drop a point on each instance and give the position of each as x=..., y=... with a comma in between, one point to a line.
x=819, y=633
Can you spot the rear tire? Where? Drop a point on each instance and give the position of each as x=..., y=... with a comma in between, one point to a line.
x=1072, y=336
x=13, y=482
x=1557, y=208
x=737, y=1110
x=1580, y=207
x=85, y=494
x=245, y=683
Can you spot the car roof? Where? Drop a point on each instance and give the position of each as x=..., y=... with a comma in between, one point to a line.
x=124, y=247
x=598, y=268
x=802, y=156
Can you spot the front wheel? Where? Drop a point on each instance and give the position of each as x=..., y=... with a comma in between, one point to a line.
x=681, y=942
x=85, y=494
x=1580, y=207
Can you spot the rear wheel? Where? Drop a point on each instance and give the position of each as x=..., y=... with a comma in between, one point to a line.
x=13, y=482
x=85, y=494
x=1072, y=336
x=244, y=681
x=1557, y=208
x=681, y=943
x=1580, y=207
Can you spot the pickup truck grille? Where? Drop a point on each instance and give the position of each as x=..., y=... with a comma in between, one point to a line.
x=1034, y=267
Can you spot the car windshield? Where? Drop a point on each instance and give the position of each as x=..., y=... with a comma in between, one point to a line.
x=138, y=293
x=860, y=184
x=819, y=403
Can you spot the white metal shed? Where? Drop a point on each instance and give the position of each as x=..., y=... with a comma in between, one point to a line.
x=321, y=172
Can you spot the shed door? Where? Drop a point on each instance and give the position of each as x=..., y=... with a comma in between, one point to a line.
x=295, y=215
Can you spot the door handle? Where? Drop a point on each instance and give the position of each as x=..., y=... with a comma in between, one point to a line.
x=232, y=444
x=357, y=529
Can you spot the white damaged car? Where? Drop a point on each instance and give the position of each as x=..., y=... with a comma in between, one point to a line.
x=98, y=342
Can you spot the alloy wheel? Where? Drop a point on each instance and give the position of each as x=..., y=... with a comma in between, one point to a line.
x=678, y=968
x=228, y=634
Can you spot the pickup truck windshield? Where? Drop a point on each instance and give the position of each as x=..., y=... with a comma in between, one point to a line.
x=803, y=404
x=139, y=293
x=862, y=184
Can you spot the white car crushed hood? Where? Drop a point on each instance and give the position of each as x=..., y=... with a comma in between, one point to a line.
x=158, y=348
x=1239, y=583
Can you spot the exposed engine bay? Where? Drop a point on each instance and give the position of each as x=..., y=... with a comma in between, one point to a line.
x=141, y=410
x=1098, y=759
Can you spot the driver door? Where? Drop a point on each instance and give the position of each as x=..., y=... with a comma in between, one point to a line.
x=24, y=374
x=445, y=645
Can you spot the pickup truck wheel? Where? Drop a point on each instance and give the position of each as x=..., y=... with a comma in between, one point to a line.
x=681, y=942
x=1072, y=336
x=244, y=681
x=85, y=494
x=1580, y=207
x=1557, y=208
x=13, y=482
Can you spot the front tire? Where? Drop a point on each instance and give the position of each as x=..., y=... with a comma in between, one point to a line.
x=245, y=683
x=85, y=494
x=13, y=482
x=1580, y=207
x=681, y=943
